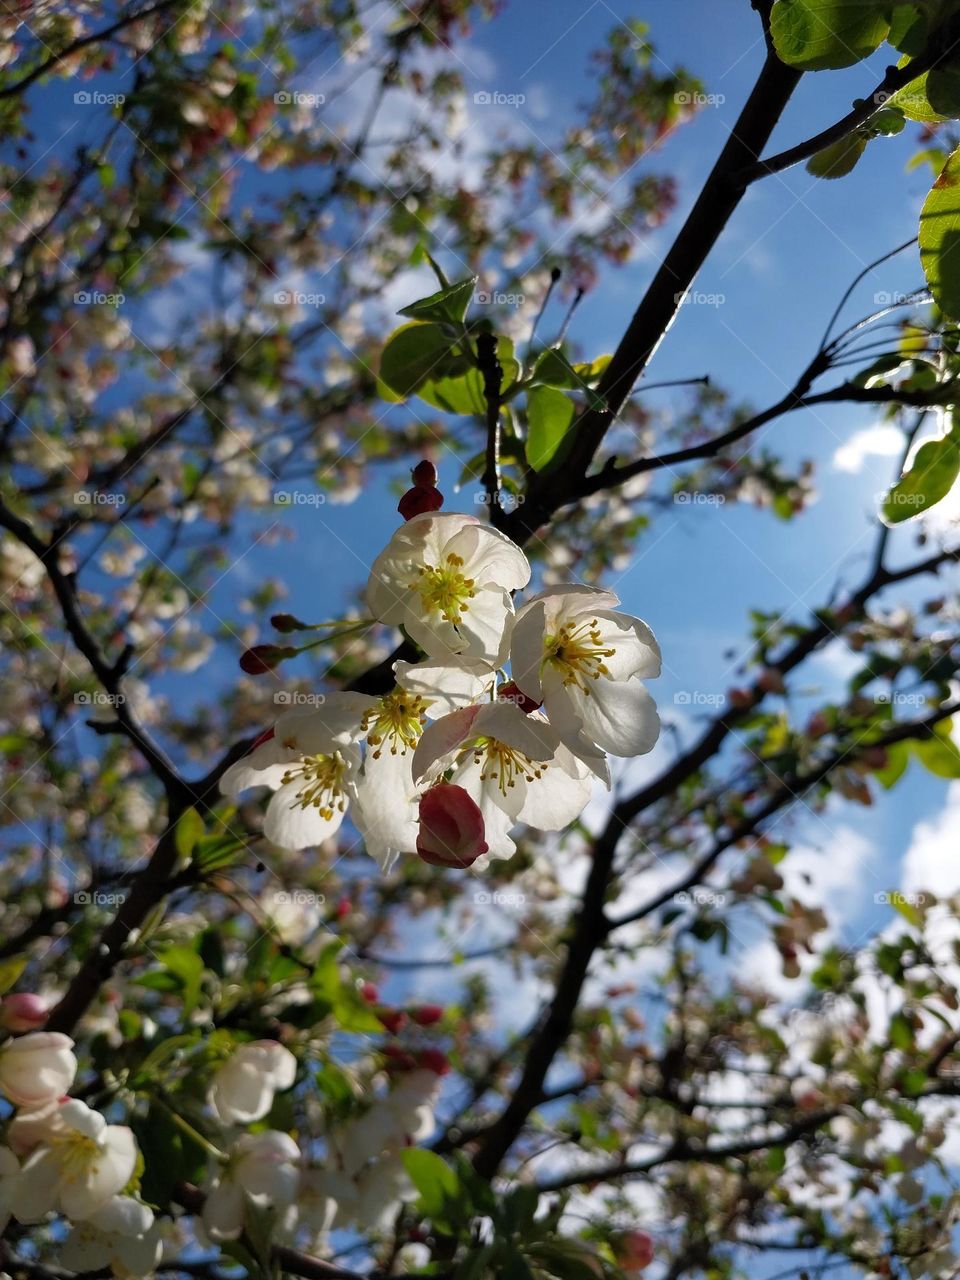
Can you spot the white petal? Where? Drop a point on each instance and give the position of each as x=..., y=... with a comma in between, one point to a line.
x=555, y=799
x=291, y=826
x=447, y=684
x=526, y=649
x=637, y=650
x=223, y=1211
x=490, y=556
x=621, y=718
x=441, y=739
x=508, y=724
x=386, y=805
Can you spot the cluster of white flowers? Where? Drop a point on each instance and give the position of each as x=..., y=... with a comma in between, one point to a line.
x=359, y=1180
x=507, y=720
x=63, y=1157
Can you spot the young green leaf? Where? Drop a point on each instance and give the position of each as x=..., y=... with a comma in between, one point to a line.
x=819, y=35
x=446, y=306
x=839, y=159
x=549, y=415
x=932, y=476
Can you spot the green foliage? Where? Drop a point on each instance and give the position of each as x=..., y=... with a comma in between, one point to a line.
x=931, y=475
x=550, y=414
x=940, y=238
x=819, y=35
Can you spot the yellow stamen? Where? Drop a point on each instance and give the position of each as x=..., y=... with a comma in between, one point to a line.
x=444, y=589
x=79, y=1154
x=578, y=652
x=397, y=718
x=322, y=778
x=504, y=764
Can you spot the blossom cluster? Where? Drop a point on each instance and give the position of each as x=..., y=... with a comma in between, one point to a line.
x=63, y=1157
x=508, y=717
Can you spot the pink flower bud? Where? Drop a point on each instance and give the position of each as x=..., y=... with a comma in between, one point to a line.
x=635, y=1252
x=418, y=500
x=511, y=692
x=23, y=1012
x=451, y=827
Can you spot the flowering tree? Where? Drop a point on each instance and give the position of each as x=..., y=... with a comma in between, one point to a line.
x=207, y=901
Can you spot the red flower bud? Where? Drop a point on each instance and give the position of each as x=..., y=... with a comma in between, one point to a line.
x=451, y=827
x=419, y=500
x=425, y=1015
x=434, y=1060
x=344, y=907
x=392, y=1019
x=264, y=657
x=425, y=474
x=511, y=692
x=286, y=622
x=23, y=1011
x=370, y=993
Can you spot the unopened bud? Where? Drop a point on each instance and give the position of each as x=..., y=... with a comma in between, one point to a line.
x=451, y=832
x=286, y=623
x=425, y=1015
x=264, y=657
x=23, y=1011
x=425, y=474
x=511, y=692
x=419, y=500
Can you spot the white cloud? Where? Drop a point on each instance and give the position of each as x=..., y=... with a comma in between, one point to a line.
x=933, y=860
x=883, y=440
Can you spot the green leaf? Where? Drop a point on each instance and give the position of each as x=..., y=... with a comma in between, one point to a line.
x=839, y=159
x=438, y=1185
x=188, y=831
x=939, y=753
x=940, y=238
x=898, y=757
x=447, y=306
x=414, y=353
x=819, y=35
x=931, y=477
x=10, y=971
x=464, y=394
x=549, y=415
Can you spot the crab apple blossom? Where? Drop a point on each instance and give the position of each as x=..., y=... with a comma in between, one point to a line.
x=81, y=1164
x=451, y=827
x=447, y=579
x=635, y=1251
x=513, y=765
x=243, y=1088
x=261, y=1166
x=584, y=662
x=311, y=762
x=37, y=1068
x=122, y=1236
